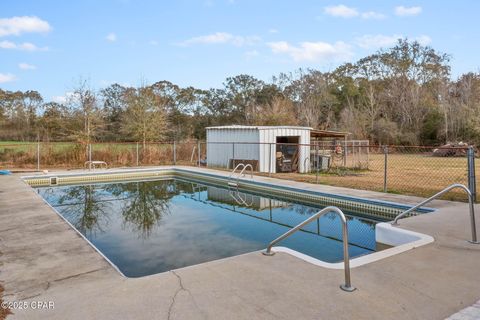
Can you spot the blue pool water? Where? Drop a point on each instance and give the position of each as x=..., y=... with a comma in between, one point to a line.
x=154, y=226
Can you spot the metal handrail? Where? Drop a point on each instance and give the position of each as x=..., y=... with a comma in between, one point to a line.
x=244, y=167
x=447, y=189
x=235, y=169
x=346, y=258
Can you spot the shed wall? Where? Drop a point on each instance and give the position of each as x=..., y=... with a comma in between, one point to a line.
x=268, y=151
x=226, y=144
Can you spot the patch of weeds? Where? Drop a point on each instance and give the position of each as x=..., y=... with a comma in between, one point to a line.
x=342, y=172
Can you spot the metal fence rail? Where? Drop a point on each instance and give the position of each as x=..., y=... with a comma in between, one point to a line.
x=415, y=170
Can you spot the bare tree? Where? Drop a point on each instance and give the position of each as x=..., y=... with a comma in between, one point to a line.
x=145, y=118
x=83, y=104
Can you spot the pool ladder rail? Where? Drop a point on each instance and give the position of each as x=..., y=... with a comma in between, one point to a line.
x=435, y=196
x=241, y=174
x=347, y=286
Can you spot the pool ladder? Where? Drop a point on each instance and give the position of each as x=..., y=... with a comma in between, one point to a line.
x=435, y=196
x=347, y=286
x=241, y=174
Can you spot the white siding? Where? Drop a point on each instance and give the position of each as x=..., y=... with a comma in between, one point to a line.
x=235, y=198
x=270, y=136
x=222, y=143
x=219, y=155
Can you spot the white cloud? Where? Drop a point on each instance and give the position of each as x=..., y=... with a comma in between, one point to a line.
x=377, y=41
x=341, y=11
x=69, y=96
x=153, y=42
x=111, y=37
x=423, y=40
x=272, y=30
x=373, y=15
x=17, y=25
x=59, y=99
x=251, y=53
x=26, y=66
x=26, y=46
x=370, y=41
x=222, y=38
x=7, y=77
x=313, y=51
x=407, y=11
x=7, y=45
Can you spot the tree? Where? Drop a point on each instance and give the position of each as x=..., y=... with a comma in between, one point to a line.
x=114, y=106
x=311, y=94
x=241, y=93
x=86, y=113
x=145, y=118
x=279, y=111
x=53, y=121
x=32, y=101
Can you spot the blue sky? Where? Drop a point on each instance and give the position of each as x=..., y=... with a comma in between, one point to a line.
x=48, y=45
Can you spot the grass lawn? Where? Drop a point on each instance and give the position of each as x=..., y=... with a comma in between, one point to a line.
x=412, y=174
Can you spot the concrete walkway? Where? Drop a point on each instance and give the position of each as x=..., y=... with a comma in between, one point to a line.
x=43, y=259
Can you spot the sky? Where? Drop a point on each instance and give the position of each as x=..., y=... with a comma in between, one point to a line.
x=49, y=45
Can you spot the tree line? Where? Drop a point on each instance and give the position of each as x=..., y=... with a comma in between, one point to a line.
x=401, y=95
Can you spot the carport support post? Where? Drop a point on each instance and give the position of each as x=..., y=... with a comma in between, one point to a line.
x=471, y=172
x=385, y=152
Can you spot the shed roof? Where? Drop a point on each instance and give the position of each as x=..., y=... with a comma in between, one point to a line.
x=239, y=127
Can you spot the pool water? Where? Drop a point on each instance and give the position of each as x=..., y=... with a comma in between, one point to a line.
x=154, y=226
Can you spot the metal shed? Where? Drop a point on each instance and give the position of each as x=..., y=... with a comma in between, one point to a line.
x=261, y=145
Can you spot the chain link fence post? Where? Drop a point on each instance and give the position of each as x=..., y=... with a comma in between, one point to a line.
x=472, y=184
x=233, y=155
x=174, y=152
x=89, y=156
x=199, y=154
x=270, y=160
x=385, y=168
x=317, y=160
x=137, y=154
x=38, y=153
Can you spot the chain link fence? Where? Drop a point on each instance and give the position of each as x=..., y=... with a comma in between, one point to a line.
x=411, y=170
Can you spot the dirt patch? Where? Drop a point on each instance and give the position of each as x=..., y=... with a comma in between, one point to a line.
x=3, y=312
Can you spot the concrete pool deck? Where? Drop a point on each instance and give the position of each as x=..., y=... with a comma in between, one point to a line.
x=43, y=259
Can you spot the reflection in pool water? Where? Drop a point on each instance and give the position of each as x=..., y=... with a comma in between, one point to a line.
x=154, y=226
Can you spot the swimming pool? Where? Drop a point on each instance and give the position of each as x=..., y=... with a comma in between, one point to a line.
x=148, y=227
x=146, y=221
